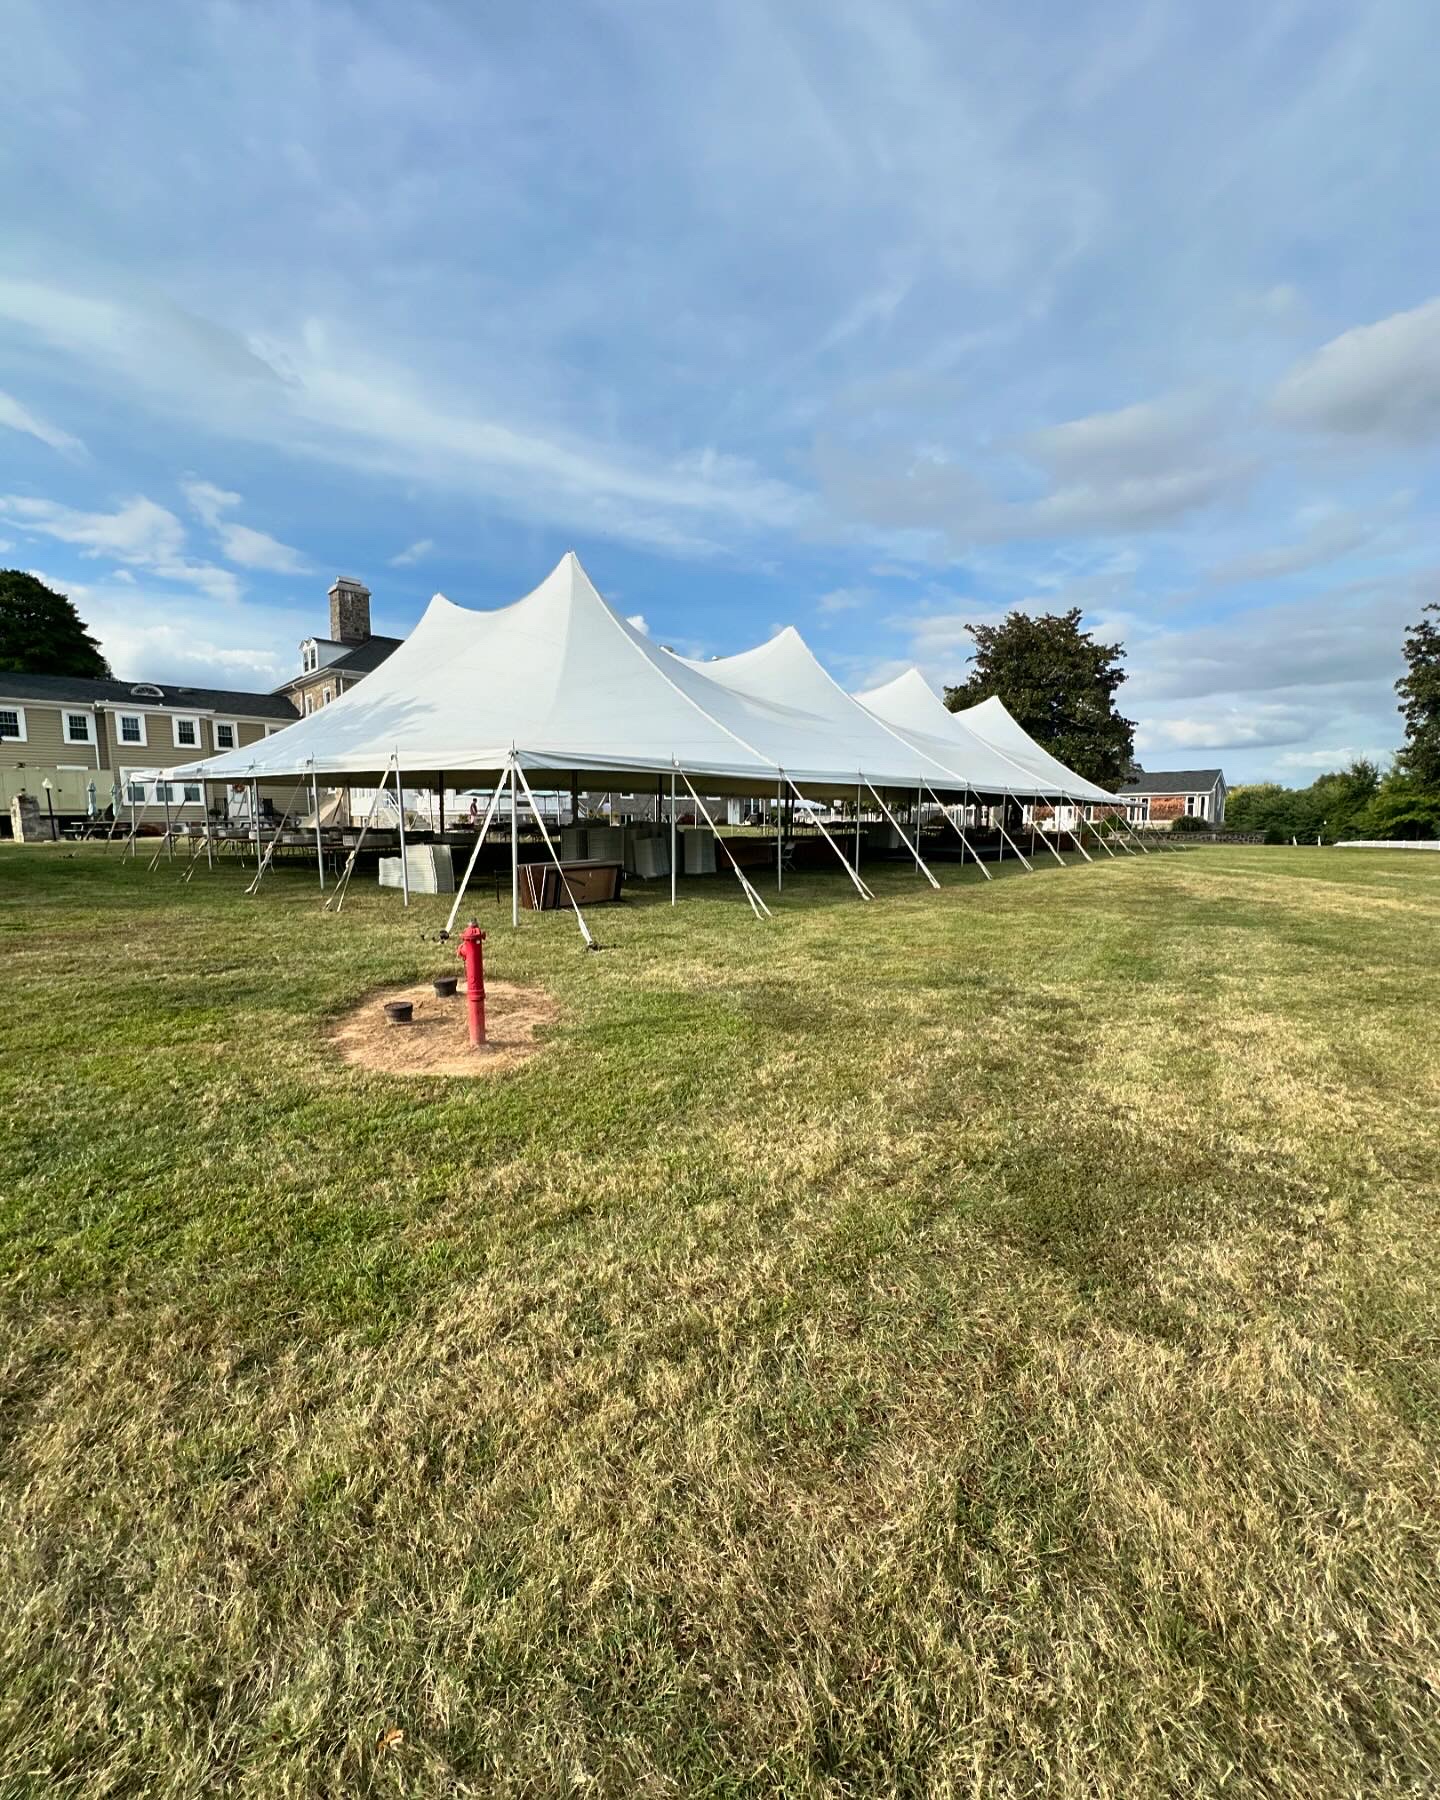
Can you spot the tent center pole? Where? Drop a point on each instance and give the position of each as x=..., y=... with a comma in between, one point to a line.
x=674, y=838
x=857, y=824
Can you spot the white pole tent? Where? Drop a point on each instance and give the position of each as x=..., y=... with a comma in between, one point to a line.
x=561, y=688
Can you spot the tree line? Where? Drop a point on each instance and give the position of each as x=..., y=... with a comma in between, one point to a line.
x=1060, y=684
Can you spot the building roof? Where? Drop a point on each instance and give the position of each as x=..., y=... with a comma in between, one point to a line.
x=81, y=690
x=359, y=659
x=1172, y=781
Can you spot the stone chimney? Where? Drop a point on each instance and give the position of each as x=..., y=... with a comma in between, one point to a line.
x=349, y=611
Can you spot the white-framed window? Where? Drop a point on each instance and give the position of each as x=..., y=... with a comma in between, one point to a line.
x=79, y=727
x=134, y=793
x=270, y=730
x=192, y=793
x=309, y=705
x=326, y=696
x=12, y=724
x=1194, y=806
x=187, y=731
x=227, y=733
x=130, y=728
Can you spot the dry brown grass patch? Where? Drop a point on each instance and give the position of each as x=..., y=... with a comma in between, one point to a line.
x=437, y=1041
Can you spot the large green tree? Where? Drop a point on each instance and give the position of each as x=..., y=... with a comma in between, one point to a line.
x=40, y=631
x=1060, y=685
x=1419, y=690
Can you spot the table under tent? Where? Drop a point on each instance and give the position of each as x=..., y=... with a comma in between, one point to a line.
x=558, y=692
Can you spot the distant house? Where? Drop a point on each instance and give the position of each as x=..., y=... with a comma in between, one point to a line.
x=328, y=666
x=1159, y=799
x=77, y=735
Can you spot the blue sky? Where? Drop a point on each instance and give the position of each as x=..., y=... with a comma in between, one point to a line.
x=871, y=318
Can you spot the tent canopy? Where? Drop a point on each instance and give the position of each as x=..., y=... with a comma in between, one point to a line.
x=560, y=683
x=910, y=701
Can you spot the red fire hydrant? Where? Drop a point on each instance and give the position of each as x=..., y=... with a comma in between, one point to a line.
x=473, y=957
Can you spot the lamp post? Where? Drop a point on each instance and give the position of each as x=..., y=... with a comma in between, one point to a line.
x=50, y=804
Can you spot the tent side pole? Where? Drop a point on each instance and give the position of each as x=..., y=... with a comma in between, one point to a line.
x=857, y=824
x=342, y=886
x=559, y=866
x=490, y=812
x=209, y=846
x=161, y=848
x=779, y=840
x=912, y=848
x=673, y=838
x=400, y=808
x=269, y=857
x=319, y=841
x=757, y=905
x=860, y=887
x=1010, y=841
x=169, y=846
x=514, y=852
x=1073, y=839
x=959, y=830
x=1100, y=839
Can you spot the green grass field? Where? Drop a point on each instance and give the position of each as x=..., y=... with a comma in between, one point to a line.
x=980, y=1343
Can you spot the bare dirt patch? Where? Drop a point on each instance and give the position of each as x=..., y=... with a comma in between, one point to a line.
x=437, y=1041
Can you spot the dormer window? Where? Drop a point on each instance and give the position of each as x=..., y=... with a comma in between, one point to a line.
x=309, y=657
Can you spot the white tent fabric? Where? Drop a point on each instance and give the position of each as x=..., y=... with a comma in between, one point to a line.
x=910, y=701
x=786, y=673
x=560, y=682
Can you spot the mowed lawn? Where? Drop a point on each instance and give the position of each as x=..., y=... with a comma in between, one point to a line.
x=980, y=1342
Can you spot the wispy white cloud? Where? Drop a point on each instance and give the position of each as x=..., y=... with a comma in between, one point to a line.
x=240, y=544
x=412, y=554
x=1378, y=382
x=139, y=532
x=16, y=417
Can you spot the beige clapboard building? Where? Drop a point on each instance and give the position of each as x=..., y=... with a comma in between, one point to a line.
x=96, y=742
x=79, y=746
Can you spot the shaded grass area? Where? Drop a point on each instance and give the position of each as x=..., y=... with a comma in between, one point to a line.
x=979, y=1342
